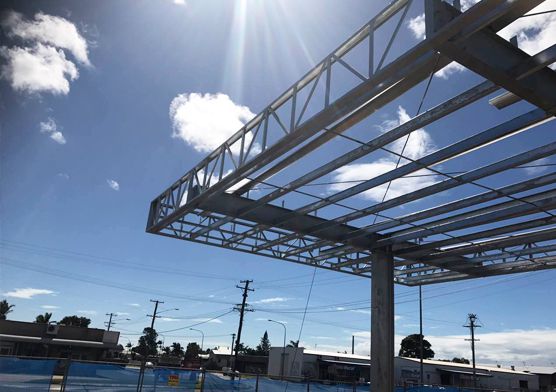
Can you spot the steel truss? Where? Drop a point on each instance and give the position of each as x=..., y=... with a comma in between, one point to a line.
x=497, y=230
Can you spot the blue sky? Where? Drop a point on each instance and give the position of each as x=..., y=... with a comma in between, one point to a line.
x=88, y=139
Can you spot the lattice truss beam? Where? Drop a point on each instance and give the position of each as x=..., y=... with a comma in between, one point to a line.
x=484, y=206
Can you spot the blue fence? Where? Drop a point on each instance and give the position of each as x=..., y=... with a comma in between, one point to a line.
x=121, y=378
x=26, y=374
x=215, y=382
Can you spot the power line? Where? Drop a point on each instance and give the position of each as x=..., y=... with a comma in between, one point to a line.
x=98, y=282
x=61, y=253
x=199, y=323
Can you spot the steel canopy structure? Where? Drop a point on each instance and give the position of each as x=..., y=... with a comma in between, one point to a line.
x=253, y=193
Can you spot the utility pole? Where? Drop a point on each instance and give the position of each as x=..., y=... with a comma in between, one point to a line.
x=352, y=344
x=144, y=361
x=112, y=320
x=156, y=302
x=242, y=310
x=109, y=320
x=472, y=324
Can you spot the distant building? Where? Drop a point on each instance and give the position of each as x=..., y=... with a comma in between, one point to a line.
x=461, y=375
x=350, y=368
x=20, y=338
x=219, y=359
x=321, y=365
x=547, y=376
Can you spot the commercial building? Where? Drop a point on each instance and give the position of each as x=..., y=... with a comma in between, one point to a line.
x=341, y=367
x=20, y=338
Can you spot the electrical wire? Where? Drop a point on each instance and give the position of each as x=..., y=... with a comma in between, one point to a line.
x=199, y=323
x=98, y=282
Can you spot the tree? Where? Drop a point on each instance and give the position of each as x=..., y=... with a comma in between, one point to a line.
x=192, y=351
x=147, y=344
x=5, y=308
x=177, y=350
x=293, y=343
x=460, y=360
x=410, y=347
x=243, y=349
x=76, y=321
x=264, y=347
x=43, y=318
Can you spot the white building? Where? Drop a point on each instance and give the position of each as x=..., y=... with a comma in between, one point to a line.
x=340, y=367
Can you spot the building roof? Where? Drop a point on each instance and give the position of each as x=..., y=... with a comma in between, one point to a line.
x=55, y=341
x=221, y=350
x=349, y=363
x=338, y=355
x=465, y=366
x=537, y=369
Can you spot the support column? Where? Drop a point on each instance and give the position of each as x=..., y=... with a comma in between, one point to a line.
x=382, y=321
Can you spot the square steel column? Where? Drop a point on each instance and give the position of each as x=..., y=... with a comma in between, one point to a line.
x=382, y=321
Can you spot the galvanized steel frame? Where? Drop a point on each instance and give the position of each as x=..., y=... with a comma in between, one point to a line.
x=210, y=204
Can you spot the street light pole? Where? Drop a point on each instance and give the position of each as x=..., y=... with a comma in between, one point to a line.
x=202, y=337
x=283, y=348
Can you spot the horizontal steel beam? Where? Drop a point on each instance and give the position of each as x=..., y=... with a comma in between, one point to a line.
x=491, y=56
x=492, y=244
x=541, y=202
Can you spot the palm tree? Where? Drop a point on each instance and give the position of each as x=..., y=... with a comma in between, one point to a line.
x=5, y=308
x=43, y=318
x=177, y=349
x=293, y=343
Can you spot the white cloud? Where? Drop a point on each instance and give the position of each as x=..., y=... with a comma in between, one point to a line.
x=508, y=347
x=450, y=69
x=40, y=65
x=51, y=128
x=27, y=293
x=168, y=319
x=534, y=33
x=180, y=2
x=50, y=307
x=418, y=145
x=205, y=121
x=87, y=312
x=135, y=305
x=537, y=169
x=417, y=26
x=65, y=176
x=207, y=320
x=38, y=69
x=48, y=29
x=113, y=184
x=271, y=300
